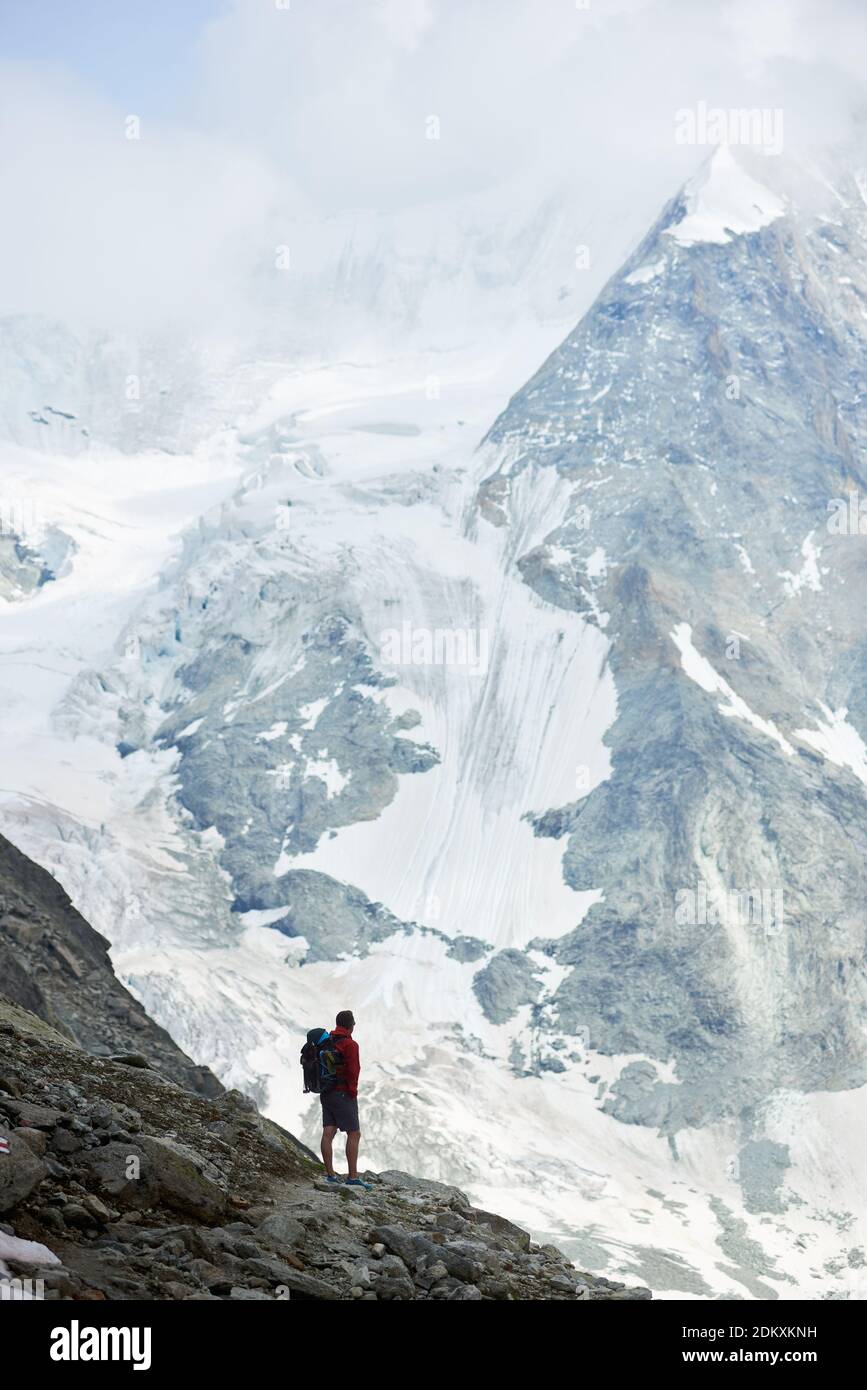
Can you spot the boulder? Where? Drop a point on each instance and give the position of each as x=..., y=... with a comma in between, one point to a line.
x=395, y=1287
x=76, y=1214
x=35, y=1139
x=132, y=1059
x=281, y=1231
x=398, y=1241
x=459, y=1264
x=359, y=1276
x=424, y=1187
x=21, y=1171
x=462, y=1260
x=39, y=1116
x=124, y=1172
x=97, y=1209
x=186, y=1182
x=303, y=1286
x=63, y=1141
x=500, y=1226
x=448, y=1221
x=496, y=1288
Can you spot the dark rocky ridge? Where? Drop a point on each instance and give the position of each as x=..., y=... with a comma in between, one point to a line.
x=119, y=1184
x=53, y=963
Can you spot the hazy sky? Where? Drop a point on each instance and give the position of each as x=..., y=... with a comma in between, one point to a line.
x=254, y=112
x=134, y=53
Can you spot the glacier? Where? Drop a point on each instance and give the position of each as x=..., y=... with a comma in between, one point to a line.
x=269, y=821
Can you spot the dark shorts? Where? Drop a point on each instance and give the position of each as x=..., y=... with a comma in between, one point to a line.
x=341, y=1110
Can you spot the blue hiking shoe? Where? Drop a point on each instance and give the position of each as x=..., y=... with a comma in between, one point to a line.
x=332, y=1177
x=356, y=1182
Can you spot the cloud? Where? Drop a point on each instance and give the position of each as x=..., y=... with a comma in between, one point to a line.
x=100, y=227
x=293, y=115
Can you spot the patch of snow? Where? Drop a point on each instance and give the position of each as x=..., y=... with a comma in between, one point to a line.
x=328, y=772
x=597, y=564
x=723, y=200
x=191, y=728
x=276, y=731
x=599, y=394
x=808, y=575
x=28, y=1252
x=745, y=559
x=559, y=556
x=310, y=713
x=837, y=741
x=645, y=273
x=212, y=838
x=283, y=771
x=699, y=669
x=262, y=917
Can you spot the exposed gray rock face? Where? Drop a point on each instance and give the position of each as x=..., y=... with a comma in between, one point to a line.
x=273, y=765
x=332, y=917
x=761, y=1171
x=466, y=948
x=333, y=659
x=507, y=981
x=637, y=1096
x=704, y=414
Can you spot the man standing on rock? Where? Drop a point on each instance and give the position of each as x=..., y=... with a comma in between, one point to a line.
x=340, y=1101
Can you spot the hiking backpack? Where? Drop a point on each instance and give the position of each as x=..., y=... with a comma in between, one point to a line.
x=321, y=1061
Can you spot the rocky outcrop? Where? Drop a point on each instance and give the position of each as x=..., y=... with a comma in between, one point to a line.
x=507, y=981
x=705, y=423
x=121, y=1184
x=54, y=964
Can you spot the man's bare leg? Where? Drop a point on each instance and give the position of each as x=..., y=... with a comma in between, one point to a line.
x=352, y=1142
x=328, y=1134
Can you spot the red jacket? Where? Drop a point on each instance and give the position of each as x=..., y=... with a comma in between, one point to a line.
x=348, y=1050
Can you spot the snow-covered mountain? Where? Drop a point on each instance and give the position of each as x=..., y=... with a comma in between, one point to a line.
x=546, y=756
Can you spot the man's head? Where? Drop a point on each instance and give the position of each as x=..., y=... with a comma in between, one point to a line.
x=346, y=1019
